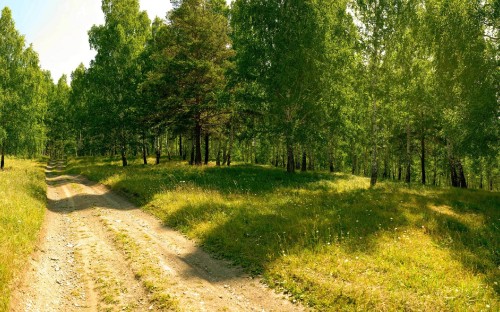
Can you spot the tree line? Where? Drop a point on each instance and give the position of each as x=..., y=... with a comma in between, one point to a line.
x=390, y=89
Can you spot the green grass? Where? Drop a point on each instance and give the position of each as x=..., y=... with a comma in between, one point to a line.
x=22, y=207
x=328, y=239
x=152, y=278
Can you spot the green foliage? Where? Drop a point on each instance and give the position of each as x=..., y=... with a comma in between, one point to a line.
x=189, y=57
x=60, y=133
x=328, y=240
x=283, y=47
x=114, y=74
x=23, y=93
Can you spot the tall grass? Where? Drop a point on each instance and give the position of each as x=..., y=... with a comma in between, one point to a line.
x=328, y=239
x=22, y=207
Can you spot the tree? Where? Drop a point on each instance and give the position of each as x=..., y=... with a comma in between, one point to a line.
x=192, y=57
x=115, y=71
x=467, y=88
x=22, y=93
x=282, y=46
x=11, y=49
x=372, y=14
x=60, y=133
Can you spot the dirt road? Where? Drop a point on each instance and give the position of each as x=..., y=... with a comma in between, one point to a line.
x=100, y=253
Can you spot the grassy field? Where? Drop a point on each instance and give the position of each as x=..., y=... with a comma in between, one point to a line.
x=22, y=207
x=328, y=239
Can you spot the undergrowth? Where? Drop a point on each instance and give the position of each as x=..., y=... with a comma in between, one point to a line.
x=328, y=239
x=22, y=208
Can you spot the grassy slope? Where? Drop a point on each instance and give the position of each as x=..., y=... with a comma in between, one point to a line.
x=22, y=207
x=329, y=240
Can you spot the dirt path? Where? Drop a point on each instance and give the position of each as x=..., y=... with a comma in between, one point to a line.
x=100, y=253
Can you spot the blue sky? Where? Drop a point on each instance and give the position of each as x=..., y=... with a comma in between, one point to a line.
x=58, y=28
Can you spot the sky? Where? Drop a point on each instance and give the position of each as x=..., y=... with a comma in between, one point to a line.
x=58, y=28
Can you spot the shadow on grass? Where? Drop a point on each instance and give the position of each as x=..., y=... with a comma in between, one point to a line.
x=353, y=220
x=239, y=179
x=259, y=228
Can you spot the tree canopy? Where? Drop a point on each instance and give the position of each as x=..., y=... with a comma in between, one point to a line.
x=367, y=86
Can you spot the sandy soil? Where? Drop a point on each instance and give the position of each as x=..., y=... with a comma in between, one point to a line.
x=98, y=252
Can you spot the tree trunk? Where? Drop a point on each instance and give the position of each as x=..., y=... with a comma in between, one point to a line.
x=144, y=152
x=181, y=154
x=385, y=174
x=207, y=148
x=276, y=156
x=167, y=143
x=422, y=158
x=330, y=162
x=217, y=159
x=354, y=163
x=374, y=169
x=373, y=91
x=2, y=161
x=124, y=157
x=461, y=176
x=434, y=173
x=191, y=157
x=158, y=150
x=453, y=172
x=311, y=164
x=290, y=167
x=230, y=148
x=224, y=153
x=408, y=154
x=304, y=162
x=283, y=157
x=197, y=137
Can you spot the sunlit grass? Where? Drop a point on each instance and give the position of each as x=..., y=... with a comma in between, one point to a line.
x=22, y=207
x=330, y=240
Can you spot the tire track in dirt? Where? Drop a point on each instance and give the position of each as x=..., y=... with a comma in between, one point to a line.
x=53, y=281
x=115, y=257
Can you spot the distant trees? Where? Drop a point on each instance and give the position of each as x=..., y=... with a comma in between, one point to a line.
x=23, y=94
x=369, y=86
x=365, y=85
x=60, y=134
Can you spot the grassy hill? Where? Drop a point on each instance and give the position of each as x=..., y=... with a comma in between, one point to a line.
x=22, y=208
x=328, y=239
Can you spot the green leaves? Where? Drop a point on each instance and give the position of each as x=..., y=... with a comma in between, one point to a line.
x=23, y=92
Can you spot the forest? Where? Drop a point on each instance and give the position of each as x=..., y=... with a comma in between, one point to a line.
x=343, y=153
x=396, y=89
